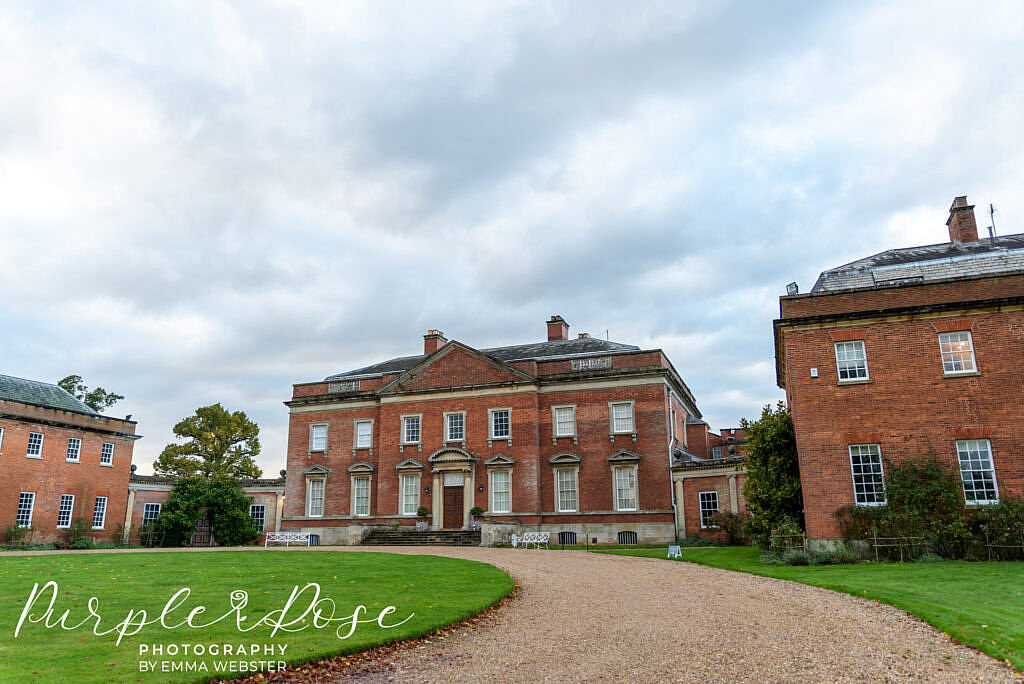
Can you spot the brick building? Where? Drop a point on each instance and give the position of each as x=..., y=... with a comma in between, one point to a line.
x=709, y=478
x=148, y=493
x=61, y=460
x=568, y=435
x=903, y=353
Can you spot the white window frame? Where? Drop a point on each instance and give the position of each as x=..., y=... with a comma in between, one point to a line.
x=75, y=449
x=149, y=506
x=633, y=472
x=612, y=429
x=848, y=345
x=554, y=421
x=312, y=512
x=262, y=518
x=491, y=413
x=313, y=445
x=419, y=428
x=702, y=499
x=967, y=447
x=101, y=511
x=410, y=500
x=107, y=454
x=38, y=453
x=716, y=452
x=877, y=484
x=357, y=511
x=65, y=512
x=956, y=356
x=494, y=507
x=25, y=500
x=447, y=427
x=368, y=442
x=574, y=479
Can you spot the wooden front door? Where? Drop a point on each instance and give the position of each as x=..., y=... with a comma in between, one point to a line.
x=452, y=508
x=202, y=535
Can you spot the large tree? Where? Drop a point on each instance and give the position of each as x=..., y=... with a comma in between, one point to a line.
x=97, y=399
x=772, y=488
x=220, y=443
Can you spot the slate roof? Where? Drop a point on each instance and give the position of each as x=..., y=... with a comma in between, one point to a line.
x=41, y=394
x=578, y=347
x=930, y=262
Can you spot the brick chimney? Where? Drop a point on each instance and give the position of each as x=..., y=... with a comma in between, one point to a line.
x=558, y=329
x=962, y=226
x=432, y=341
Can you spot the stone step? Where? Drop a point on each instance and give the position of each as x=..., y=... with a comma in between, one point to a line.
x=388, y=536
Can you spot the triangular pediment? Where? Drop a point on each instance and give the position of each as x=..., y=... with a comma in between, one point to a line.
x=317, y=469
x=409, y=464
x=624, y=456
x=456, y=365
x=499, y=460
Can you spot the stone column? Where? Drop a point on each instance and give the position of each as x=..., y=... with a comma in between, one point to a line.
x=437, y=500
x=680, y=508
x=734, y=499
x=467, y=497
x=128, y=517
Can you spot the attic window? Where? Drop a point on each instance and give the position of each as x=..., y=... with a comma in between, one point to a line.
x=346, y=386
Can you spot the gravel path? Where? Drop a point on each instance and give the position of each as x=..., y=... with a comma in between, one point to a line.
x=595, y=617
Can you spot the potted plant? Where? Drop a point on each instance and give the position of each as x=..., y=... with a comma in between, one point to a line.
x=423, y=513
x=476, y=511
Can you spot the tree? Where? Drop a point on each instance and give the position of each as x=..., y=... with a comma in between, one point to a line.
x=97, y=399
x=222, y=500
x=772, y=488
x=219, y=444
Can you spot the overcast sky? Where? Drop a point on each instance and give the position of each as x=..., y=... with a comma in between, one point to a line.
x=205, y=202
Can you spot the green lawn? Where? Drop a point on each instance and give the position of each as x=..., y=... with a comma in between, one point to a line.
x=981, y=604
x=438, y=591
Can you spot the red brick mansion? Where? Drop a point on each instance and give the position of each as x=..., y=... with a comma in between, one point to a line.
x=572, y=436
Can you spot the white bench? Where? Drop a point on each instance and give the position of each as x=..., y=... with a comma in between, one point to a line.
x=527, y=538
x=286, y=538
x=675, y=552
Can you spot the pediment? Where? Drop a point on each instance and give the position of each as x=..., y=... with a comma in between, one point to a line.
x=361, y=467
x=499, y=460
x=451, y=455
x=409, y=464
x=624, y=456
x=317, y=469
x=456, y=365
x=566, y=457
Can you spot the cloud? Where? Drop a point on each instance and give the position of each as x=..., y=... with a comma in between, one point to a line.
x=207, y=202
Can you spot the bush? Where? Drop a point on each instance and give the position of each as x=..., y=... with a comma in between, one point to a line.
x=772, y=488
x=476, y=511
x=733, y=526
x=18, y=536
x=222, y=500
x=796, y=557
x=423, y=512
x=1002, y=525
x=840, y=556
x=78, y=535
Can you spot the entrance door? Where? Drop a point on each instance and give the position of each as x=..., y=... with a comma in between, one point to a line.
x=452, y=508
x=202, y=536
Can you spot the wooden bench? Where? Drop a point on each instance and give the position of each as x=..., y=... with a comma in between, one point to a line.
x=527, y=538
x=286, y=538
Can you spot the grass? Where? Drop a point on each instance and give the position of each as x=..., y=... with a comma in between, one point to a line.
x=980, y=604
x=439, y=591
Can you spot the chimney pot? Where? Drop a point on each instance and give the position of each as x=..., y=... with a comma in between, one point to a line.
x=584, y=336
x=962, y=225
x=558, y=329
x=432, y=341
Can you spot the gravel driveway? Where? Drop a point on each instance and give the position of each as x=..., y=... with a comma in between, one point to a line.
x=595, y=617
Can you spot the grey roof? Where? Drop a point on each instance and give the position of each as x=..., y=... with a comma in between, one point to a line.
x=41, y=394
x=540, y=350
x=930, y=262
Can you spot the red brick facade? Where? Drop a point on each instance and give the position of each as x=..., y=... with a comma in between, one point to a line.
x=908, y=405
x=458, y=379
x=50, y=475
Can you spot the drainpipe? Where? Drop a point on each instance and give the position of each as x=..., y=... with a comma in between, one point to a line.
x=671, y=483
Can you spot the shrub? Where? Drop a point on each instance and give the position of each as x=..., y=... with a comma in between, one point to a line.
x=732, y=525
x=476, y=511
x=796, y=557
x=772, y=487
x=1002, y=525
x=840, y=556
x=222, y=500
x=423, y=512
x=78, y=535
x=18, y=536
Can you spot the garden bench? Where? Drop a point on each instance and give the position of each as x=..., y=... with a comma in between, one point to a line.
x=535, y=538
x=675, y=552
x=286, y=538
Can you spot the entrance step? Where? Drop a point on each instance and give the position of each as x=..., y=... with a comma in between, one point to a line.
x=409, y=536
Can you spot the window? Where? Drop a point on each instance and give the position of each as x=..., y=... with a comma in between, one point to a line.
x=364, y=434
x=410, y=494
x=708, y=507
x=622, y=417
x=566, y=480
x=67, y=503
x=318, y=437
x=500, y=426
x=26, y=501
x=361, y=496
x=74, y=450
x=315, y=499
x=868, y=480
x=258, y=513
x=977, y=472
x=957, y=351
x=626, y=538
x=410, y=429
x=107, y=454
x=716, y=452
x=565, y=421
x=501, y=491
x=35, y=444
x=851, y=360
x=625, y=488
x=150, y=512
x=455, y=427
x=99, y=513
x=566, y=538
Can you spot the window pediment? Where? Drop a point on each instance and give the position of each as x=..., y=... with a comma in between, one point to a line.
x=451, y=455
x=565, y=457
x=624, y=456
x=409, y=464
x=361, y=467
x=499, y=460
x=315, y=470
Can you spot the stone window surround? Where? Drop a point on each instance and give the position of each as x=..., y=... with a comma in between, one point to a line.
x=320, y=474
x=490, y=423
x=565, y=461
x=444, y=427
x=625, y=459
x=310, y=443
x=401, y=422
x=554, y=424
x=632, y=418
x=355, y=433
x=361, y=471
x=402, y=474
